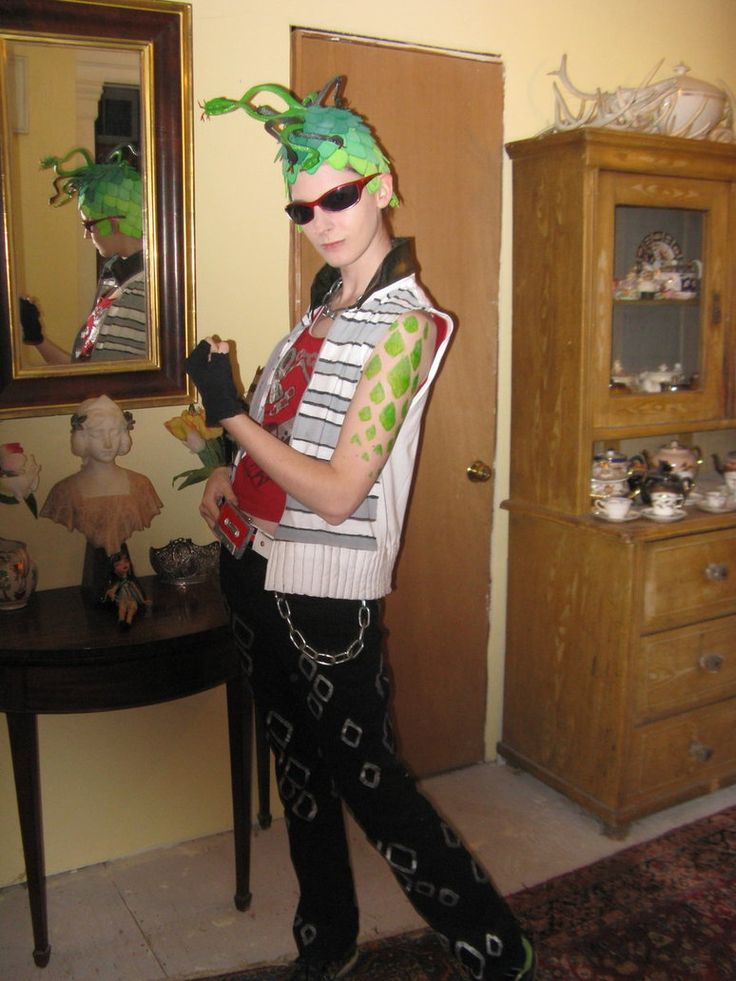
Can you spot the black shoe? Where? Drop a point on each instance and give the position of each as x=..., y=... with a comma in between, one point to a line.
x=312, y=970
x=528, y=970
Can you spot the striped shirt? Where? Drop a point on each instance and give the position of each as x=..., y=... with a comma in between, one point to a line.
x=353, y=560
x=121, y=327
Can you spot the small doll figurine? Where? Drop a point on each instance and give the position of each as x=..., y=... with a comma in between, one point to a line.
x=123, y=588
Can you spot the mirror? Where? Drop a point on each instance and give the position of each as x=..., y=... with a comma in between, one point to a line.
x=105, y=77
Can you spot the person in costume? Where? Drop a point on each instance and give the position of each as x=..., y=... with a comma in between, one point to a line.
x=109, y=198
x=103, y=500
x=322, y=477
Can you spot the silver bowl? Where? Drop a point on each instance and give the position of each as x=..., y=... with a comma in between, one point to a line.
x=182, y=563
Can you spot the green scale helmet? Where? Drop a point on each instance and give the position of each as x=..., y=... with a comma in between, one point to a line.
x=312, y=134
x=102, y=189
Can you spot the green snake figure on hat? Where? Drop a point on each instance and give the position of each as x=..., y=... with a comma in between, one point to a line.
x=103, y=190
x=311, y=133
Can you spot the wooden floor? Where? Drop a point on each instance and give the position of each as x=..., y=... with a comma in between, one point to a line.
x=169, y=913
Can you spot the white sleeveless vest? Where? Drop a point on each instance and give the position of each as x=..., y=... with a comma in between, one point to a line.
x=353, y=560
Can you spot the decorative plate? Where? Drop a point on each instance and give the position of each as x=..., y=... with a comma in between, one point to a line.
x=657, y=249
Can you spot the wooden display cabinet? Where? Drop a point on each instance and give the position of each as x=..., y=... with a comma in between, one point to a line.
x=620, y=686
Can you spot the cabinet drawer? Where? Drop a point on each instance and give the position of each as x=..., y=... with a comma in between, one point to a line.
x=684, y=668
x=689, y=579
x=685, y=750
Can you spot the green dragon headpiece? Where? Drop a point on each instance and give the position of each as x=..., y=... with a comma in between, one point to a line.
x=310, y=133
x=102, y=189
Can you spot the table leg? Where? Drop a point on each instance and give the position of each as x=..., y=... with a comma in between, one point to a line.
x=240, y=728
x=263, y=763
x=23, y=731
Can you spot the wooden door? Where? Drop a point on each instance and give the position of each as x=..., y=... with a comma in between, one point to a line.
x=439, y=116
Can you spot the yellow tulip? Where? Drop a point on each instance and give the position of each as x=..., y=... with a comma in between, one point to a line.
x=204, y=440
x=190, y=428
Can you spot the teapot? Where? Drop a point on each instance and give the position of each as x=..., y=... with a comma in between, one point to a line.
x=664, y=478
x=661, y=380
x=728, y=465
x=681, y=460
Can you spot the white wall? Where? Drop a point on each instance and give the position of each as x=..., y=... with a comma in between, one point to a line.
x=122, y=782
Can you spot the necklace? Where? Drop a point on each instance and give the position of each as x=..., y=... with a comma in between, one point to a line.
x=327, y=310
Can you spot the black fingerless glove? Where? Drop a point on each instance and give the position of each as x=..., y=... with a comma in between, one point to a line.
x=30, y=321
x=213, y=376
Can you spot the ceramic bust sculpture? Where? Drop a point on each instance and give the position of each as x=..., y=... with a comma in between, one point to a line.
x=103, y=500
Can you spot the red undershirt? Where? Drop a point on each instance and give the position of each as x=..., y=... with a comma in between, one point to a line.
x=257, y=494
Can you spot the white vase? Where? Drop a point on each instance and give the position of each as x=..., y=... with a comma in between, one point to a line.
x=18, y=575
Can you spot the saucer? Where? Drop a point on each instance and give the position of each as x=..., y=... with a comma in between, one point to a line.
x=653, y=516
x=631, y=516
x=729, y=506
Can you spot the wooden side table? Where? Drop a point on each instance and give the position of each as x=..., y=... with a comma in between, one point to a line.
x=61, y=655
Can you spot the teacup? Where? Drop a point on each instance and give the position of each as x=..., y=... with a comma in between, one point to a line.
x=717, y=498
x=614, y=508
x=665, y=503
x=730, y=477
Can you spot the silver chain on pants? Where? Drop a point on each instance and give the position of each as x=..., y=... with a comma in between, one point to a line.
x=324, y=657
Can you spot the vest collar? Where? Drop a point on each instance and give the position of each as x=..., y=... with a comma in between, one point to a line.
x=121, y=268
x=398, y=263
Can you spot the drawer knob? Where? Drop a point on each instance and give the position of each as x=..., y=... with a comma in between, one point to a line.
x=700, y=752
x=716, y=571
x=711, y=662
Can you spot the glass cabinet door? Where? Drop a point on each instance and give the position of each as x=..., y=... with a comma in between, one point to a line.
x=657, y=331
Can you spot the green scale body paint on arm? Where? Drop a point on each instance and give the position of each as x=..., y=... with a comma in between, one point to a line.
x=387, y=416
x=403, y=380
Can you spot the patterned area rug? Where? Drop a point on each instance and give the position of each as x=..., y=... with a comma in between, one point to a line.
x=664, y=910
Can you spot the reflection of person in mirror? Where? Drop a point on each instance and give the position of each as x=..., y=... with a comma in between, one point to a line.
x=109, y=198
x=323, y=476
x=104, y=501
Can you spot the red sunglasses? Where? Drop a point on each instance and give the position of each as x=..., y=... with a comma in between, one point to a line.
x=89, y=223
x=338, y=198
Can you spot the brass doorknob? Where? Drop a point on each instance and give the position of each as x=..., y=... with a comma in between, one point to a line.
x=479, y=472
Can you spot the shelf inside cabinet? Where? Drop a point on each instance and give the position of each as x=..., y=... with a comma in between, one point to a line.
x=689, y=302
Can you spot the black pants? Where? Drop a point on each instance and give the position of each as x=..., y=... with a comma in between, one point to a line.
x=331, y=733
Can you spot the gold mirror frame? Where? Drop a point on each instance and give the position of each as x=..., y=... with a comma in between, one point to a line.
x=161, y=31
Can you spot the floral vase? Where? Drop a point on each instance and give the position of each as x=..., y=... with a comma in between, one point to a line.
x=18, y=575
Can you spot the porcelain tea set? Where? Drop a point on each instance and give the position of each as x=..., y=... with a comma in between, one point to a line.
x=727, y=470
x=657, y=484
x=727, y=466
x=610, y=475
x=661, y=379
